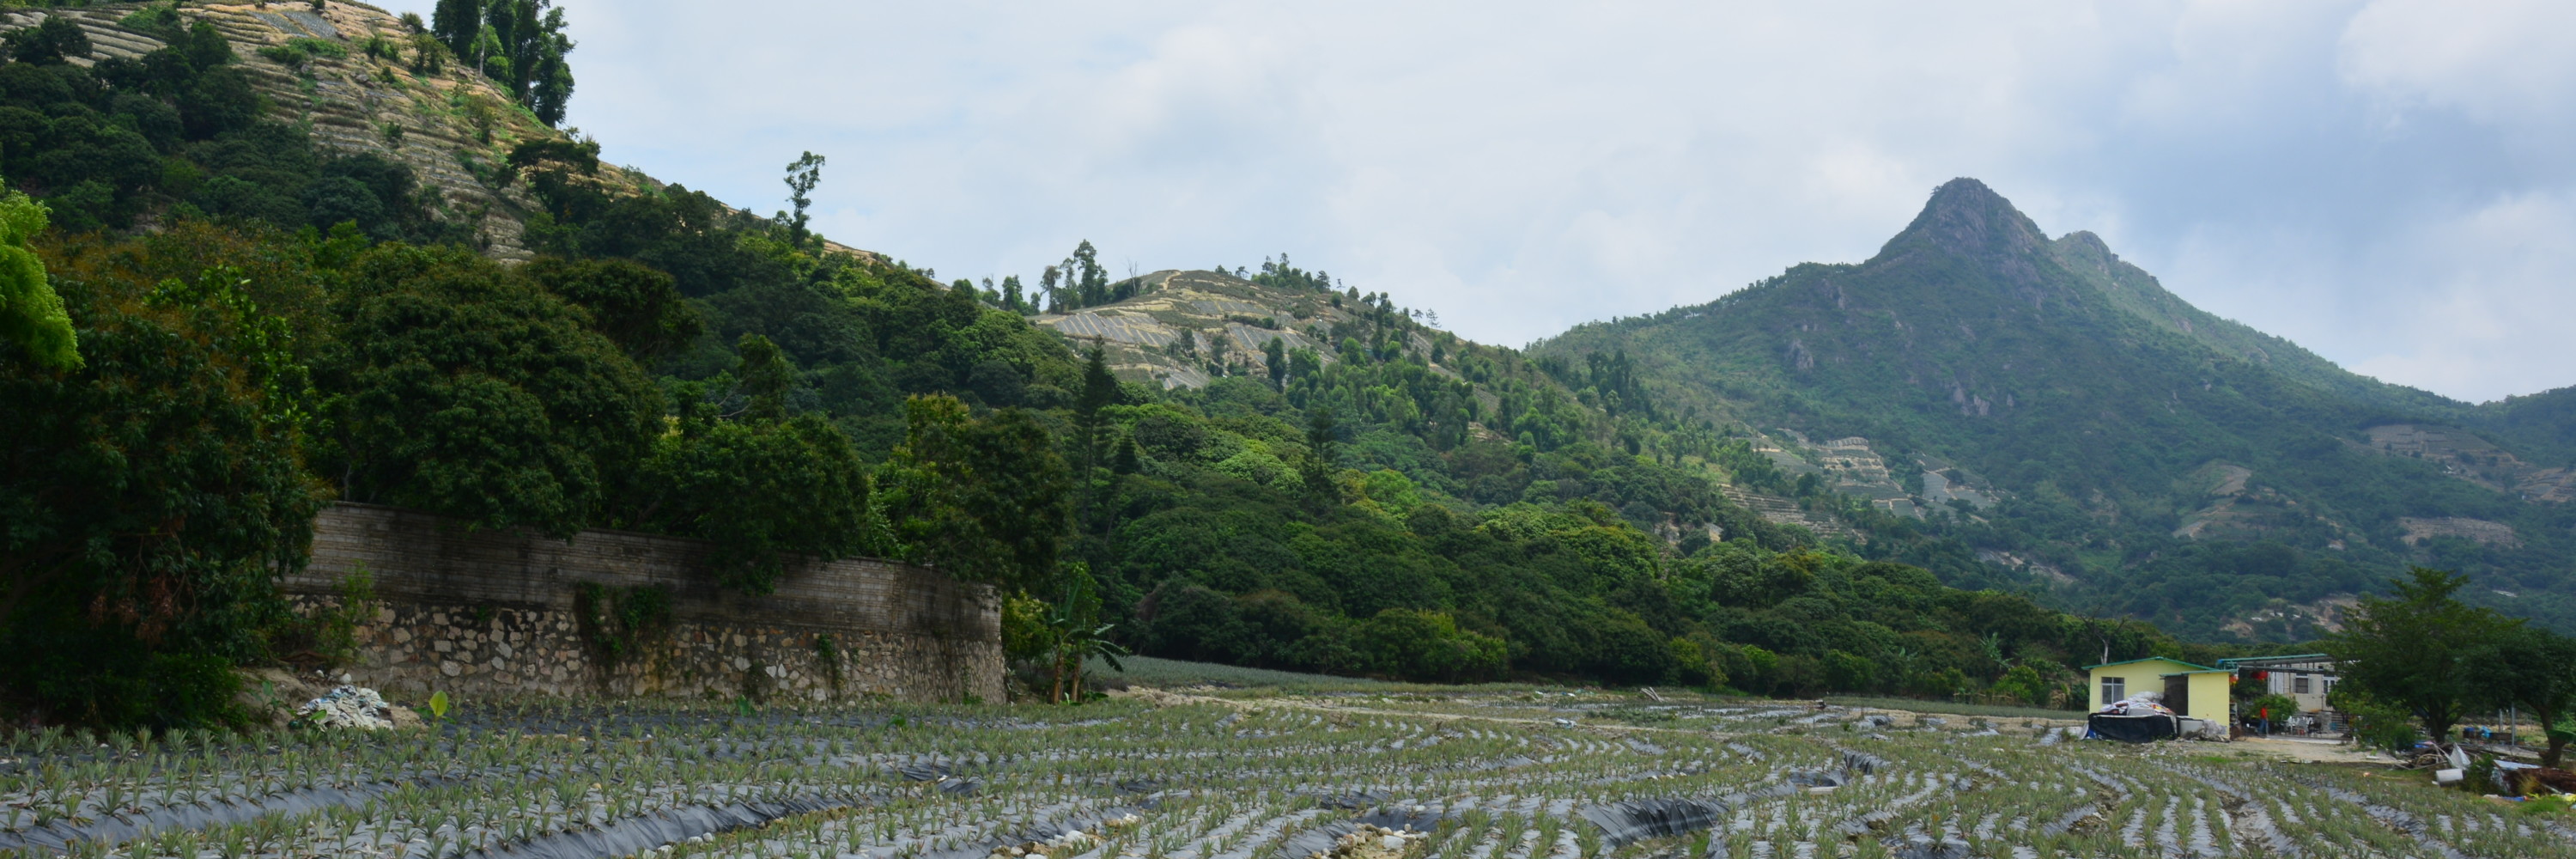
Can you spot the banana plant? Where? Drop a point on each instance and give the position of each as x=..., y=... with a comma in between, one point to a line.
x=1078, y=633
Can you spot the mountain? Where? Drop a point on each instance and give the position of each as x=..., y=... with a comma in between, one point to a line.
x=377, y=279
x=2133, y=454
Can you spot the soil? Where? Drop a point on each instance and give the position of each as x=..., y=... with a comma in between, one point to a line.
x=2301, y=750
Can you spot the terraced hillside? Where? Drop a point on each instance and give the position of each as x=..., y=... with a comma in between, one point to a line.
x=452, y=127
x=1433, y=772
x=1185, y=326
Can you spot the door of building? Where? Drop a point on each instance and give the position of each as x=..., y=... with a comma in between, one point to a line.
x=2178, y=693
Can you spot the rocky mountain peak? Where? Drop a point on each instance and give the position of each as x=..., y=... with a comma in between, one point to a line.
x=1966, y=218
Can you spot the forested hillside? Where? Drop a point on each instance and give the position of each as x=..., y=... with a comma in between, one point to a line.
x=197, y=355
x=2147, y=459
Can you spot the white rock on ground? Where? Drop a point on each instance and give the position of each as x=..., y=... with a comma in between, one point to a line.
x=346, y=707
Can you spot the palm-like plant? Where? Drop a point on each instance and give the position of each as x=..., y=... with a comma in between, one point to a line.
x=1078, y=633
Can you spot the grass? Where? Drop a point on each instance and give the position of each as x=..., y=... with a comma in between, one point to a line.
x=1913, y=705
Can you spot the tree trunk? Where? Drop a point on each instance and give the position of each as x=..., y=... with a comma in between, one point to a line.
x=2556, y=749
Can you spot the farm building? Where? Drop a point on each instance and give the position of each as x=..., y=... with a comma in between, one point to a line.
x=2195, y=691
x=2305, y=678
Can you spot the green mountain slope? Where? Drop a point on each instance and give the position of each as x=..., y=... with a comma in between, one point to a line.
x=2172, y=464
x=484, y=321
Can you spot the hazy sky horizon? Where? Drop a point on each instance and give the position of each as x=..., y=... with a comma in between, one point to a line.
x=2390, y=183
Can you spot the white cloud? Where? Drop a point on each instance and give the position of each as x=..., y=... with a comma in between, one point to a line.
x=2509, y=62
x=2305, y=167
x=2502, y=299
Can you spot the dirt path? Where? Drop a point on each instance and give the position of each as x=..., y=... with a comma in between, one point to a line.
x=2308, y=751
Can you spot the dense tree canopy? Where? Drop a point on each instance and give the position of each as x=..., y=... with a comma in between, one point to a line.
x=466, y=389
x=151, y=493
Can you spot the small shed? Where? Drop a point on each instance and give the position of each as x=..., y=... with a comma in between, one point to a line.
x=2195, y=691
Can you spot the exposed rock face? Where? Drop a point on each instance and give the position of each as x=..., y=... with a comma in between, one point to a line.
x=1967, y=218
x=2484, y=532
x=1184, y=327
x=2467, y=456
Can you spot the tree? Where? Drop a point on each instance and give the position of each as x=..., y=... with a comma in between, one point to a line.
x=802, y=175
x=31, y=314
x=2419, y=649
x=1099, y=391
x=763, y=490
x=519, y=43
x=1074, y=628
x=766, y=377
x=1321, y=461
x=148, y=497
x=984, y=500
x=1011, y=295
x=2023, y=683
x=546, y=86
x=1084, y=278
x=455, y=22
x=54, y=41
x=636, y=306
x=462, y=388
x=1275, y=359
x=2273, y=708
x=2534, y=669
x=1428, y=646
x=1303, y=362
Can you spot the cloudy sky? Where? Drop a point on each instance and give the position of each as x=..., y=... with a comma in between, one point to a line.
x=2390, y=183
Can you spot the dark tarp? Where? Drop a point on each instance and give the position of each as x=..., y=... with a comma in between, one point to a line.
x=2145, y=728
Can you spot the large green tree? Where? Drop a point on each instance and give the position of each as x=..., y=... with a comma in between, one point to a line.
x=638, y=307
x=462, y=388
x=765, y=490
x=31, y=314
x=53, y=41
x=983, y=499
x=149, y=497
x=2533, y=669
x=519, y=43
x=2420, y=648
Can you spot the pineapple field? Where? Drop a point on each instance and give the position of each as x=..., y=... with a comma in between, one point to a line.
x=1365, y=771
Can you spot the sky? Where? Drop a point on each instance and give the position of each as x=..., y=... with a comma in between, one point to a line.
x=2390, y=183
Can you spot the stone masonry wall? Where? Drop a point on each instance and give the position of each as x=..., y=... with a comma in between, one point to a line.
x=486, y=613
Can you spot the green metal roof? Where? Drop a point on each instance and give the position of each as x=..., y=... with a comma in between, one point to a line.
x=2154, y=659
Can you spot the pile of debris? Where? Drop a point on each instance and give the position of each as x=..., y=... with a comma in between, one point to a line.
x=1373, y=842
x=2139, y=704
x=346, y=707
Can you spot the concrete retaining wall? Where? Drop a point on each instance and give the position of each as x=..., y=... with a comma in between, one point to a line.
x=487, y=613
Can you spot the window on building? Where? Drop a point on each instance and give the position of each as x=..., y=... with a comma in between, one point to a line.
x=2114, y=688
x=2299, y=685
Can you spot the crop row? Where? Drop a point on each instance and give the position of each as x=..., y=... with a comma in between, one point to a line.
x=1494, y=776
